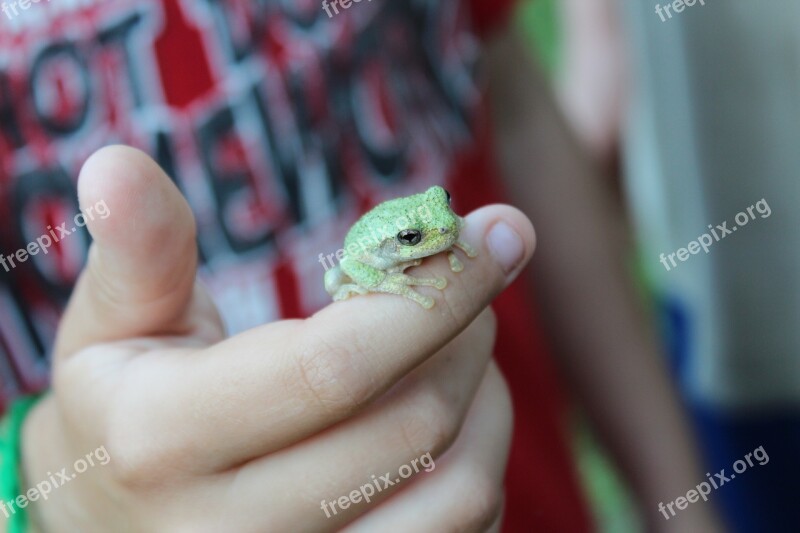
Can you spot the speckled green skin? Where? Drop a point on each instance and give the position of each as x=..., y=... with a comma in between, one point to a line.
x=375, y=257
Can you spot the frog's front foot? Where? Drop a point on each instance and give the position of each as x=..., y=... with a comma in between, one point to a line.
x=347, y=290
x=438, y=283
x=400, y=284
x=466, y=248
x=455, y=263
x=402, y=267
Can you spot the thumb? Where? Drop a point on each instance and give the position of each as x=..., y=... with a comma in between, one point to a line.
x=140, y=276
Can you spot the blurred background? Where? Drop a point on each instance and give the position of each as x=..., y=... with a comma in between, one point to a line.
x=281, y=125
x=694, y=111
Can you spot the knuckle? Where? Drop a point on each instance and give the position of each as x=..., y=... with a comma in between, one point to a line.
x=431, y=426
x=480, y=501
x=330, y=377
x=454, y=307
x=466, y=306
x=140, y=465
x=132, y=467
x=480, y=335
x=502, y=403
x=69, y=381
x=488, y=322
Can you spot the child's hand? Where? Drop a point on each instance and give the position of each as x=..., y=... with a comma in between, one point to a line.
x=253, y=432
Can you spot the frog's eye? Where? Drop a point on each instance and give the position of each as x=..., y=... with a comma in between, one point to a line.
x=447, y=194
x=409, y=237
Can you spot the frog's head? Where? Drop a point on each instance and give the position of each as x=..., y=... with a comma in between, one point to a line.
x=428, y=226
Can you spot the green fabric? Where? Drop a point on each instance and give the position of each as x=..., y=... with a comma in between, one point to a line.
x=613, y=508
x=540, y=23
x=10, y=436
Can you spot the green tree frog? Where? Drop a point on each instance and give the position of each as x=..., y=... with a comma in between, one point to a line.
x=392, y=237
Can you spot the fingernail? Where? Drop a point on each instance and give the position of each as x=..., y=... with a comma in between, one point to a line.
x=506, y=246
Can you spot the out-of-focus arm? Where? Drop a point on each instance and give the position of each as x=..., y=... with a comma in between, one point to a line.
x=604, y=338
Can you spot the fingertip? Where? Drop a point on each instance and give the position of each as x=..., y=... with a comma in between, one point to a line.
x=504, y=240
x=110, y=174
x=140, y=273
x=135, y=193
x=505, y=233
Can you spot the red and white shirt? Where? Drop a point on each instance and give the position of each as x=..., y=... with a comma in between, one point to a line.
x=280, y=124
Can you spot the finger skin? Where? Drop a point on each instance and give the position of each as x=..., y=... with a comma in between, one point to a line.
x=422, y=415
x=283, y=382
x=464, y=491
x=140, y=276
x=129, y=357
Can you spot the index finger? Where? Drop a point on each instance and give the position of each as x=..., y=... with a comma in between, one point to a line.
x=277, y=384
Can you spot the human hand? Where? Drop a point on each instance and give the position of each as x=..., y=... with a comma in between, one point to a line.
x=252, y=432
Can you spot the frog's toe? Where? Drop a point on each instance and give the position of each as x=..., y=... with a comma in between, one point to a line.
x=467, y=249
x=455, y=264
x=438, y=283
x=346, y=291
x=426, y=302
x=341, y=294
